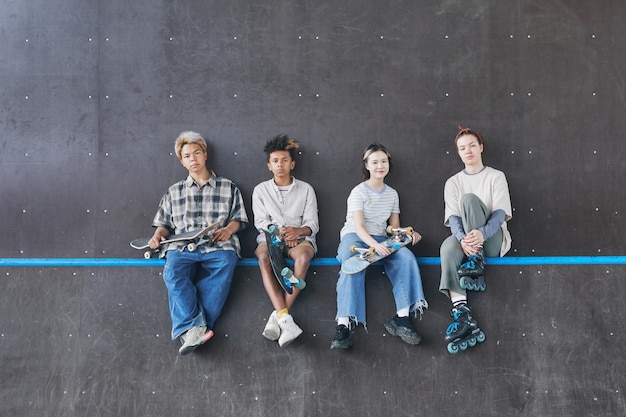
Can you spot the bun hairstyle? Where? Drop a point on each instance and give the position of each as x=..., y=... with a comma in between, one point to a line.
x=467, y=131
x=281, y=143
x=374, y=147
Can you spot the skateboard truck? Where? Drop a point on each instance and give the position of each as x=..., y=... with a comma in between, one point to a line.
x=399, y=233
x=291, y=281
x=363, y=252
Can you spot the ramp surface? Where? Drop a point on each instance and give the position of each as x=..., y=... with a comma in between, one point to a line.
x=96, y=342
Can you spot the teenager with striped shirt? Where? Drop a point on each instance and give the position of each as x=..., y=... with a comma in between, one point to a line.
x=372, y=206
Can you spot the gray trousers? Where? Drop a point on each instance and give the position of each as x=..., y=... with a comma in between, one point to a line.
x=474, y=214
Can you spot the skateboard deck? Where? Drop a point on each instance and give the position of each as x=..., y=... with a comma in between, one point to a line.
x=283, y=274
x=194, y=238
x=398, y=238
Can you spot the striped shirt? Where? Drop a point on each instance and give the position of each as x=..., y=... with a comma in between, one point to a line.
x=376, y=206
x=187, y=207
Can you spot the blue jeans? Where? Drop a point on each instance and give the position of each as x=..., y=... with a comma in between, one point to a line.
x=401, y=269
x=197, y=287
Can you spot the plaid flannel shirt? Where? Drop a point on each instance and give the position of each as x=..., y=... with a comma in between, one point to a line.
x=186, y=207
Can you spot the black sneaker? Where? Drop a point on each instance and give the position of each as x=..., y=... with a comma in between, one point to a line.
x=403, y=328
x=343, y=338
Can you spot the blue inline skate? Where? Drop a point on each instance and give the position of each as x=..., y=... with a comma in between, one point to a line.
x=472, y=272
x=463, y=332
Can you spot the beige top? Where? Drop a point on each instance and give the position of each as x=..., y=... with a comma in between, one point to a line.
x=490, y=186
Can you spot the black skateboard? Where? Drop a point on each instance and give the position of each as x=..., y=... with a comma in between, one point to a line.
x=283, y=274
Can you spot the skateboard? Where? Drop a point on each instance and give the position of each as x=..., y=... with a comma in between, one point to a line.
x=194, y=238
x=398, y=238
x=283, y=274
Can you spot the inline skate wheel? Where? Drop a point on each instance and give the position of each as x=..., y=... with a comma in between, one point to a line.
x=463, y=282
x=481, y=337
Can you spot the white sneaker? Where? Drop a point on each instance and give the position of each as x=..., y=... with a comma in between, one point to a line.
x=193, y=338
x=289, y=330
x=272, y=330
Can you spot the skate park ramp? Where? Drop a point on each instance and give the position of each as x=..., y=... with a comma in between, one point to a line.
x=94, y=94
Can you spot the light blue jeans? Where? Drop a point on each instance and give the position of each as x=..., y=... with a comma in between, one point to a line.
x=197, y=287
x=401, y=269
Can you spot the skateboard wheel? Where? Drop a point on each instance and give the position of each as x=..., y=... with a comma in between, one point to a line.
x=371, y=251
x=273, y=230
x=191, y=247
x=409, y=230
x=301, y=284
x=352, y=248
x=286, y=272
x=147, y=254
x=389, y=230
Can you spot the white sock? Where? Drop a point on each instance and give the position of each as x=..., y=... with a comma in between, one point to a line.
x=403, y=312
x=457, y=301
x=345, y=320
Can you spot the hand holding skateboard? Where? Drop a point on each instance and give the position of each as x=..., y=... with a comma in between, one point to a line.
x=364, y=257
x=194, y=238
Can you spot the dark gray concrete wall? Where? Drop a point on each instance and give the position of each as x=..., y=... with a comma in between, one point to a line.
x=94, y=94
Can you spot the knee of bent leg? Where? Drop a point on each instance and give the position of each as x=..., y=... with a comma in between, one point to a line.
x=303, y=257
x=263, y=258
x=469, y=199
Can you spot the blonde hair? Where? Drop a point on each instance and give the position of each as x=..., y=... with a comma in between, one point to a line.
x=186, y=138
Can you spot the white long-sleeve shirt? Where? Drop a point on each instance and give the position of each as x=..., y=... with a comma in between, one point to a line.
x=296, y=207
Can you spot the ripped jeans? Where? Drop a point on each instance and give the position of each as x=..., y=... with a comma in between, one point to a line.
x=401, y=269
